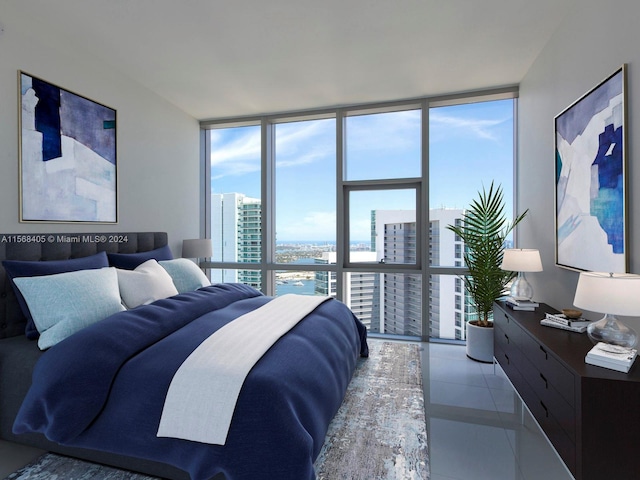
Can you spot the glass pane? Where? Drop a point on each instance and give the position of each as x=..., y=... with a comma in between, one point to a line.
x=298, y=282
x=383, y=145
x=382, y=226
x=386, y=302
x=446, y=307
x=450, y=307
x=303, y=252
x=236, y=207
x=363, y=297
x=306, y=181
x=402, y=312
x=230, y=275
x=469, y=147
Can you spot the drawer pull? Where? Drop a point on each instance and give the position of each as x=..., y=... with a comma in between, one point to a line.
x=546, y=357
x=507, y=357
x=546, y=384
x=507, y=337
x=546, y=412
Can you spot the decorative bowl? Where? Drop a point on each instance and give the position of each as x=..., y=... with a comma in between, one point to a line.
x=571, y=313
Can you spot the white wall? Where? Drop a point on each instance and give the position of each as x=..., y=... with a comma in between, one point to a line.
x=592, y=42
x=158, y=144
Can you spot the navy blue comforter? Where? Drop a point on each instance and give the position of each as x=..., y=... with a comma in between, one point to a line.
x=104, y=387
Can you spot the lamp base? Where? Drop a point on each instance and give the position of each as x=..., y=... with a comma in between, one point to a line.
x=521, y=289
x=611, y=330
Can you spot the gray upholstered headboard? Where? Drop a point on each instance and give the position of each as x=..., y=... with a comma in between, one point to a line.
x=60, y=246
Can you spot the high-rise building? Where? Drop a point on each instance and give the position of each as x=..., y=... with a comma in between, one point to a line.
x=385, y=302
x=394, y=232
x=447, y=304
x=236, y=234
x=362, y=289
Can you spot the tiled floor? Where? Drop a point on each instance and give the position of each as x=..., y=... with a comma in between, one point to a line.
x=477, y=426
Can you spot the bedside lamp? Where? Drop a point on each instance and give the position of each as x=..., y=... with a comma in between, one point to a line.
x=197, y=248
x=611, y=294
x=521, y=260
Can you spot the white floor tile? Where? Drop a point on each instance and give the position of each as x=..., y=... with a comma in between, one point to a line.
x=467, y=451
x=456, y=370
x=461, y=395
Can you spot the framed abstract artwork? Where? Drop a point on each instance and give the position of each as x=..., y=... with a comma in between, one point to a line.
x=591, y=189
x=68, y=165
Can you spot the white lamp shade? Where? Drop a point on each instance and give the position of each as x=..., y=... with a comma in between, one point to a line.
x=612, y=293
x=521, y=260
x=197, y=248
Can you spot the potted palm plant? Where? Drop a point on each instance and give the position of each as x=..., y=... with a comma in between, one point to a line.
x=483, y=230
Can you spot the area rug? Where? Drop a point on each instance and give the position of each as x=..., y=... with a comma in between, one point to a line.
x=379, y=431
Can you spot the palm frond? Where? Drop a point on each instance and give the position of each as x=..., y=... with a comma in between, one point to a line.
x=484, y=231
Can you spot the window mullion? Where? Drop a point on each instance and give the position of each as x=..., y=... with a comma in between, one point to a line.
x=342, y=232
x=268, y=210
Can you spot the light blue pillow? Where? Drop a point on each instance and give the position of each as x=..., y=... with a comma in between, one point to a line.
x=65, y=303
x=186, y=275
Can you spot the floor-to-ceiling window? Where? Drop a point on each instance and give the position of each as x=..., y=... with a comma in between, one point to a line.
x=353, y=202
x=470, y=146
x=305, y=200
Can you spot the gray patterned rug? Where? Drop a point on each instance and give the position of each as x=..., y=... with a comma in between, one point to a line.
x=378, y=433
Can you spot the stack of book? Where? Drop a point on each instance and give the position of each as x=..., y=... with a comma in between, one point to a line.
x=526, y=305
x=560, y=320
x=610, y=356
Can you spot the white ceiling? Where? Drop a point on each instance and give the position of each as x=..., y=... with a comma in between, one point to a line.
x=222, y=58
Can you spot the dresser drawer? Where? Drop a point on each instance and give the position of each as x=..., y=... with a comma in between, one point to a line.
x=565, y=447
x=554, y=404
x=507, y=325
x=552, y=370
x=509, y=349
x=504, y=358
x=517, y=380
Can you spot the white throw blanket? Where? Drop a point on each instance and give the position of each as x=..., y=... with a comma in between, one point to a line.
x=204, y=391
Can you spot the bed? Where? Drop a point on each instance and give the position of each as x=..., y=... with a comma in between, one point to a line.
x=100, y=393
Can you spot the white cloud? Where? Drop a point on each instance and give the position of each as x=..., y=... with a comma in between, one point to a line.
x=444, y=125
x=298, y=143
x=239, y=157
x=304, y=143
x=388, y=131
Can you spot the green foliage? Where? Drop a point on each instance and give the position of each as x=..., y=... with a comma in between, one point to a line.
x=484, y=230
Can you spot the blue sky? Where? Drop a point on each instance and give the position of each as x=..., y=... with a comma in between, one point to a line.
x=470, y=145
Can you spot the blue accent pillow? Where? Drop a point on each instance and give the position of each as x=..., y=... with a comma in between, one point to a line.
x=65, y=303
x=129, y=261
x=185, y=274
x=22, y=268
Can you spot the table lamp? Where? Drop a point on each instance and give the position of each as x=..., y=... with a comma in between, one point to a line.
x=197, y=248
x=611, y=294
x=521, y=260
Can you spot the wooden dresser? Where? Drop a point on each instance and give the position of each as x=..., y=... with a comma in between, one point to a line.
x=590, y=414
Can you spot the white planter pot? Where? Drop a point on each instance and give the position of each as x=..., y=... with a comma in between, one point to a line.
x=480, y=343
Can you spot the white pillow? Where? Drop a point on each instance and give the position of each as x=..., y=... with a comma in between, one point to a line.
x=64, y=303
x=186, y=275
x=147, y=283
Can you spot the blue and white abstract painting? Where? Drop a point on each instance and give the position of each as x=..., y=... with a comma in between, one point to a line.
x=590, y=180
x=68, y=156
